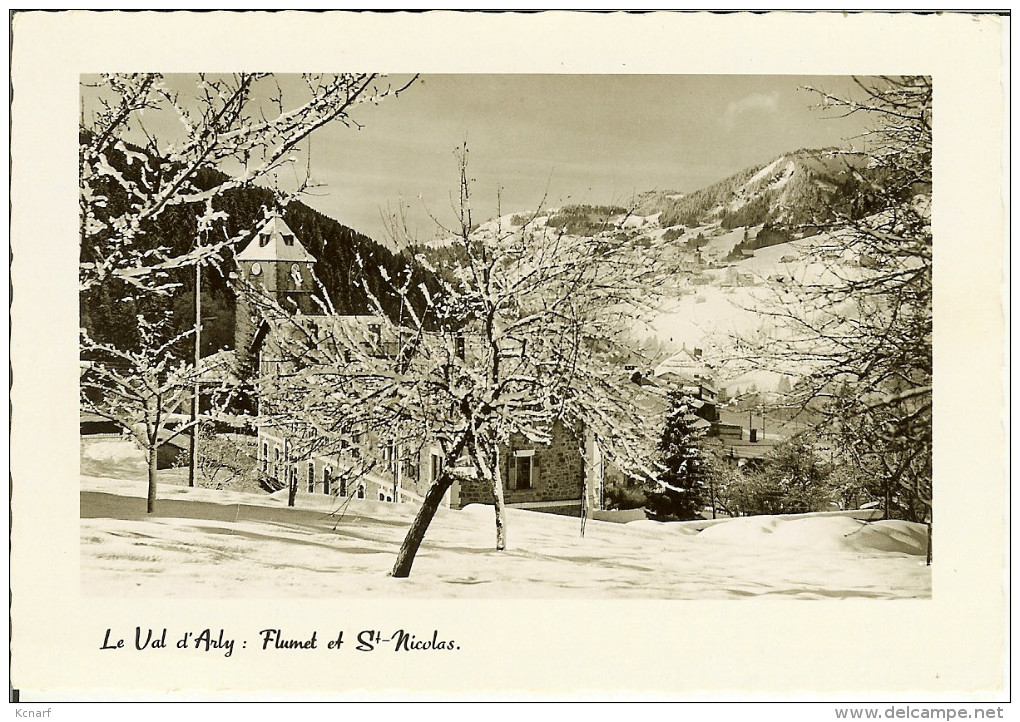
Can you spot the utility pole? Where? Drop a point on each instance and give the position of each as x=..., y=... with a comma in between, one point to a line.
x=193, y=450
x=397, y=471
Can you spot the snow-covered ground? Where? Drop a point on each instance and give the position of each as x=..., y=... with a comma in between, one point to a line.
x=229, y=544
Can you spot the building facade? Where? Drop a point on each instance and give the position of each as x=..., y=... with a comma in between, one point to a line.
x=552, y=476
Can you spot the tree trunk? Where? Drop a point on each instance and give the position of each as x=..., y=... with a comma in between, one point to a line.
x=415, y=535
x=500, y=505
x=927, y=557
x=150, y=505
x=292, y=494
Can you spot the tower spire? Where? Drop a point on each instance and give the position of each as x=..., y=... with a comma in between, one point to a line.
x=276, y=266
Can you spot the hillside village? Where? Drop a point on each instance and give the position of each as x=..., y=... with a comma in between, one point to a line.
x=671, y=362
x=551, y=478
x=742, y=426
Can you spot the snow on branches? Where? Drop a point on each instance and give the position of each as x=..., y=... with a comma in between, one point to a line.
x=517, y=329
x=861, y=333
x=149, y=143
x=144, y=390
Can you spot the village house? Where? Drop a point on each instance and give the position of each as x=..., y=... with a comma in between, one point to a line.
x=741, y=436
x=549, y=477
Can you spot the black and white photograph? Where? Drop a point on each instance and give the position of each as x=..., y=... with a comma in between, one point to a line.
x=369, y=363
x=716, y=384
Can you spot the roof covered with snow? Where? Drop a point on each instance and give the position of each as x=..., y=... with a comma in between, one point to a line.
x=275, y=241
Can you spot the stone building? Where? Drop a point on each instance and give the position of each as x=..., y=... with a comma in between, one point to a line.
x=551, y=477
x=274, y=263
x=542, y=476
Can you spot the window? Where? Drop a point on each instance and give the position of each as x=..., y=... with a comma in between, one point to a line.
x=436, y=466
x=361, y=491
x=524, y=470
x=311, y=477
x=265, y=458
x=382, y=497
x=459, y=348
x=325, y=480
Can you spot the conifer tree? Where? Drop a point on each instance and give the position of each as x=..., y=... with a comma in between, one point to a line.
x=681, y=480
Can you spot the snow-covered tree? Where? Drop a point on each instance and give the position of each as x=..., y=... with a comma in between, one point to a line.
x=160, y=151
x=152, y=146
x=885, y=348
x=680, y=493
x=519, y=329
x=143, y=390
x=860, y=335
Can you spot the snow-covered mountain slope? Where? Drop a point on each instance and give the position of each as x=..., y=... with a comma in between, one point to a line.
x=802, y=187
x=731, y=250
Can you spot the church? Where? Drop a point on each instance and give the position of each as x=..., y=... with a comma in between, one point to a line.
x=275, y=263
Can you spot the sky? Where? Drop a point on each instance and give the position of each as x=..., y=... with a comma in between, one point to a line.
x=561, y=139
x=547, y=140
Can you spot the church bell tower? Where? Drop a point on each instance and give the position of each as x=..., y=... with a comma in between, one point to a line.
x=277, y=265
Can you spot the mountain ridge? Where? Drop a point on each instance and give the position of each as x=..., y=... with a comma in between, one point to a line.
x=802, y=187
x=108, y=310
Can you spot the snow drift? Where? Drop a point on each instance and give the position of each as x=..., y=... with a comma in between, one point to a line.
x=222, y=544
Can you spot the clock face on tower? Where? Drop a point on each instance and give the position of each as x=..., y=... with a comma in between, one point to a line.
x=256, y=269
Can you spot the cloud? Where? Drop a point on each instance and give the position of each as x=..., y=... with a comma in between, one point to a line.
x=754, y=103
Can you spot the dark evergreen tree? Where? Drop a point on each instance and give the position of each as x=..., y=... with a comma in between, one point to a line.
x=681, y=489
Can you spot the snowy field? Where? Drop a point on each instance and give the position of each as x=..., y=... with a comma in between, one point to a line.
x=204, y=543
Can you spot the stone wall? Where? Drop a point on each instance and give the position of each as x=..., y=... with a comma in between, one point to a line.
x=558, y=472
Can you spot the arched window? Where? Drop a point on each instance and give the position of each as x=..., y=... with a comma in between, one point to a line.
x=311, y=477
x=325, y=480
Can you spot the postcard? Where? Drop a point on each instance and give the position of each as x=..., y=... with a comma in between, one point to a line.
x=546, y=356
